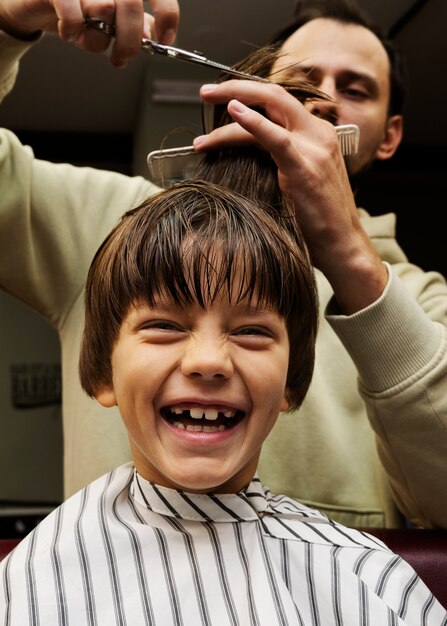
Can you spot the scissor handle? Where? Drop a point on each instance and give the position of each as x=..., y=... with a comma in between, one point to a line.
x=146, y=44
x=99, y=24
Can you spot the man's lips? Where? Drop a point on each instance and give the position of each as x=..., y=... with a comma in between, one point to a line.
x=202, y=418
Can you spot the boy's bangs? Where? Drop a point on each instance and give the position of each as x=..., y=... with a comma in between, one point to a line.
x=187, y=262
x=217, y=268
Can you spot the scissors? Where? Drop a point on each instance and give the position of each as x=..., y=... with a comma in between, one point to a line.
x=147, y=45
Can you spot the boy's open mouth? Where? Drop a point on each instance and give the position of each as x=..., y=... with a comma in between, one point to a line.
x=202, y=419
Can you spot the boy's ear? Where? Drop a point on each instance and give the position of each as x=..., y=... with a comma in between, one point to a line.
x=285, y=402
x=391, y=139
x=106, y=396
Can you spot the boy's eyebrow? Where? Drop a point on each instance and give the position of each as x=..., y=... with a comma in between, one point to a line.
x=258, y=310
x=165, y=306
x=159, y=304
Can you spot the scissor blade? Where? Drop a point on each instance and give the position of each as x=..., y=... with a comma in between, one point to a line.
x=147, y=45
x=195, y=57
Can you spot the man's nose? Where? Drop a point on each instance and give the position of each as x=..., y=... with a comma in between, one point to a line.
x=207, y=358
x=326, y=109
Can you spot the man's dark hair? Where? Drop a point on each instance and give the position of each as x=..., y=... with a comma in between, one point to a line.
x=348, y=12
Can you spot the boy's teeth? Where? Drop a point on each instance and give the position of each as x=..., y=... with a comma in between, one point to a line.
x=199, y=428
x=195, y=427
x=199, y=413
x=208, y=414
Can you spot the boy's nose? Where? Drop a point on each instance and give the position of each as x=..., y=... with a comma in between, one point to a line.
x=208, y=359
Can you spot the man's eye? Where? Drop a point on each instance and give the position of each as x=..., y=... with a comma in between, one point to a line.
x=351, y=92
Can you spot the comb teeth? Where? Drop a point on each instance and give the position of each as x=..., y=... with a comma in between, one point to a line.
x=172, y=165
x=348, y=138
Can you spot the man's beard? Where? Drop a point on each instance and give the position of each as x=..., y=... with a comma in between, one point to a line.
x=358, y=178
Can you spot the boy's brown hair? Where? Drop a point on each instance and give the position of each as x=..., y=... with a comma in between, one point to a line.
x=193, y=242
x=200, y=237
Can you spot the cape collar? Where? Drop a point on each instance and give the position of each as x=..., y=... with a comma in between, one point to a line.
x=254, y=502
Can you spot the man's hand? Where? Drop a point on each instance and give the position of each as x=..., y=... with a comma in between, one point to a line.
x=21, y=18
x=312, y=174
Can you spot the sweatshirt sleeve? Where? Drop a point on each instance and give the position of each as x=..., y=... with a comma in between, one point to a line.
x=11, y=50
x=53, y=217
x=399, y=346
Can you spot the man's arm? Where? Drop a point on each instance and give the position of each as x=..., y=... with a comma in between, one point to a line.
x=394, y=331
x=399, y=346
x=52, y=216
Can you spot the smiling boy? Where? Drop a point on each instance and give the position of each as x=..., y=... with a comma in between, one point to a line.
x=193, y=305
x=207, y=310
x=199, y=422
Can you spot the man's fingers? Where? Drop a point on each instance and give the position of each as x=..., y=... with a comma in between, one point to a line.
x=270, y=136
x=279, y=105
x=166, y=14
x=70, y=18
x=270, y=132
x=224, y=136
x=129, y=21
x=287, y=130
x=251, y=127
x=148, y=26
x=127, y=18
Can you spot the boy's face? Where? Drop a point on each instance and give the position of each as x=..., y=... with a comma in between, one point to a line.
x=172, y=365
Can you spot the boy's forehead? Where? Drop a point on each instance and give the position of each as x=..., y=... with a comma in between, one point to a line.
x=166, y=304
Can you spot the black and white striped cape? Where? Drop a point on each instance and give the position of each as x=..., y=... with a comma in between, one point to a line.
x=126, y=552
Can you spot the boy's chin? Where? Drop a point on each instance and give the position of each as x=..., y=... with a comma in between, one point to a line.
x=203, y=476
x=212, y=484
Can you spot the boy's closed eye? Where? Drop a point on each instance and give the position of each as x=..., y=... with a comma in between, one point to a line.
x=161, y=331
x=252, y=330
x=169, y=326
x=166, y=331
x=253, y=337
x=162, y=325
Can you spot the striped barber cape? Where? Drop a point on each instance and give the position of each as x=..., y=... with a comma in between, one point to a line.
x=127, y=552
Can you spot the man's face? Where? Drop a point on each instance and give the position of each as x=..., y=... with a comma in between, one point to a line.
x=199, y=390
x=349, y=63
